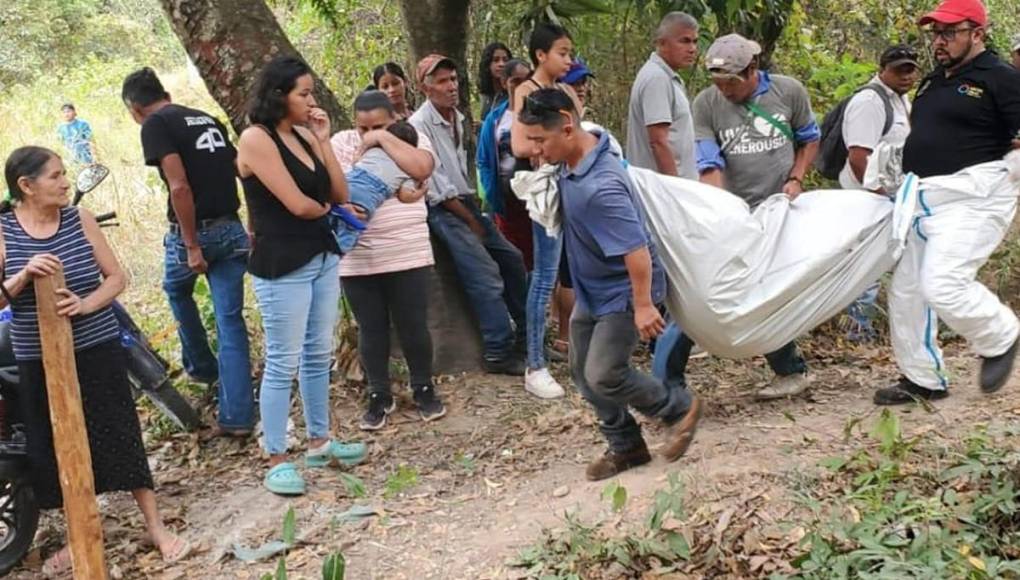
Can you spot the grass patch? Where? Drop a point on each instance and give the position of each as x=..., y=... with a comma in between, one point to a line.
x=894, y=508
x=404, y=478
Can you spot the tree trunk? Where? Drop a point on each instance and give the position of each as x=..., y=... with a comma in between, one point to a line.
x=229, y=41
x=440, y=26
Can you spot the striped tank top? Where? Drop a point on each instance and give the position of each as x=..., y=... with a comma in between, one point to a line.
x=81, y=273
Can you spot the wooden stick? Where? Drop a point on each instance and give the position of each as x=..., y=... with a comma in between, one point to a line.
x=70, y=438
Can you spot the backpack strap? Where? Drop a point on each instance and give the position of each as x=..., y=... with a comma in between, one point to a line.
x=782, y=127
x=889, y=114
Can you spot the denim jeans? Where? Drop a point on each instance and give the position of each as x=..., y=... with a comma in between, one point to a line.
x=367, y=192
x=600, y=351
x=299, y=311
x=225, y=248
x=861, y=313
x=543, y=282
x=784, y=362
x=492, y=273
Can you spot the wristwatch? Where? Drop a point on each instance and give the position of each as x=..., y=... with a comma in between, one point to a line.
x=794, y=178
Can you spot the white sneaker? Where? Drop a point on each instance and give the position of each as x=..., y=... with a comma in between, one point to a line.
x=542, y=384
x=698, y=352
x=782, y=387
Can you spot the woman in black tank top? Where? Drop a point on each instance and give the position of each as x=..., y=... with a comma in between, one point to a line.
x=290, y=177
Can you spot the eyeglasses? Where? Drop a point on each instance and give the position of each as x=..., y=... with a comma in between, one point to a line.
x=947, y=34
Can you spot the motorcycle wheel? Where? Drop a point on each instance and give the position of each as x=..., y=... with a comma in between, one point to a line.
x=19, y=514
x=173, y=404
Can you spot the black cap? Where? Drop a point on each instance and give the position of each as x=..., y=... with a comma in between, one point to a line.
x=897, y=55
x=67, y=106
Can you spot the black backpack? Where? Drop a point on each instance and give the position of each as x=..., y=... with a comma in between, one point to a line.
x=832, y=152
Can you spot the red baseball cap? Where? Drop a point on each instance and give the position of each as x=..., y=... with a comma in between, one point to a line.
x=430, y=63
x=955, y=11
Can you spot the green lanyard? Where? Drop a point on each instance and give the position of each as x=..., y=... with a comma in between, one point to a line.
x=762, y=113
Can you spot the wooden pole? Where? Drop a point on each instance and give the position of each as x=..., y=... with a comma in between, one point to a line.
x=70, y=439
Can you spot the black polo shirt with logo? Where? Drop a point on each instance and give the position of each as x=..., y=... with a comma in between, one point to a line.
x=969, y=118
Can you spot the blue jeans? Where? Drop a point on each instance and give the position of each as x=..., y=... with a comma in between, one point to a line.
x=492, y=273
x=672, y=356
x=543, y=281
x=225, y=248
x=861, y=313
x=367, y=192
x=299, y=311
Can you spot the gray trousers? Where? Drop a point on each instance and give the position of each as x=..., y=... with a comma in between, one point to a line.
x=600, y=352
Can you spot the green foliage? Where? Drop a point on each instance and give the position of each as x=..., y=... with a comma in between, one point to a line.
x=466, y=462
x=354, y=485
x=334, y=566
x=289, y=532
x=616, y=494
x=344, y=40
x=917, y=520
x=579, y=550
x=203, y=299
x=56, y=37
x=1003, y=270
x=403, y=478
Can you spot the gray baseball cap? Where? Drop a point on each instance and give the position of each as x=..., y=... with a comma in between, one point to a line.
x=731, y=54
x=1015, y=43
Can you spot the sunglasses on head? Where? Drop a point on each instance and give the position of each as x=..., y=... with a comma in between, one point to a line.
x=537, y=106
x=901, y=54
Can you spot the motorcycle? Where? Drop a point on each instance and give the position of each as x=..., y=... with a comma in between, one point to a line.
x=147, y=372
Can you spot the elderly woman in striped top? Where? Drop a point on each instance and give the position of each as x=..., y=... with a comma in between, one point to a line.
x=40, y=234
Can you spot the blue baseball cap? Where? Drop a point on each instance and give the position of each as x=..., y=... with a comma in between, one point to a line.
x=578, y=71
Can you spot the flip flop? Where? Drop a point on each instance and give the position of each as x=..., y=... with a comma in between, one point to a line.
x=182, y=550
x=58, y=564
x=345, y=453
x=284, y=479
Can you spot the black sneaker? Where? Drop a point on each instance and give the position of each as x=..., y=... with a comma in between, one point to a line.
x=379, y=406
x=906, y=391
x=430, y=407
x=511, y=365
x=995, y=370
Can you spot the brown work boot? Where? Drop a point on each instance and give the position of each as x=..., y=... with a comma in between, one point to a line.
x=612, y=463
x=681, y=433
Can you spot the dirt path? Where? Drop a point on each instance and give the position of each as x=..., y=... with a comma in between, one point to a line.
x=472, y=490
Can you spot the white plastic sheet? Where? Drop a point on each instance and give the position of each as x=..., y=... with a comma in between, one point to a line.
x=745, y=283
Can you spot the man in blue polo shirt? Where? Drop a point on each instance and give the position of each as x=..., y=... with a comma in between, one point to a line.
x=618, y=283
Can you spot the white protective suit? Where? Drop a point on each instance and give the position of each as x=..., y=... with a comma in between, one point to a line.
x=744, y=284
x=962, y=218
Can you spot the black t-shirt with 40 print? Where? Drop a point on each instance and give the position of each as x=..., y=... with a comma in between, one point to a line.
x=206, y=152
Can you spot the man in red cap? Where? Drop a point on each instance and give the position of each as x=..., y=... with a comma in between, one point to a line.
x=966, y=113
x=491, y=269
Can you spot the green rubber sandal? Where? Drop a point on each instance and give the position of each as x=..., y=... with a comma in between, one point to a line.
x=345, y=453
x=284, y=479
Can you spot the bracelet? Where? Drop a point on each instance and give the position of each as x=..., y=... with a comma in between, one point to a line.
x=794, y=178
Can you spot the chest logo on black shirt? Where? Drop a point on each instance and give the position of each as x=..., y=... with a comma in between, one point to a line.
x=972, y=91
x=924, y=87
